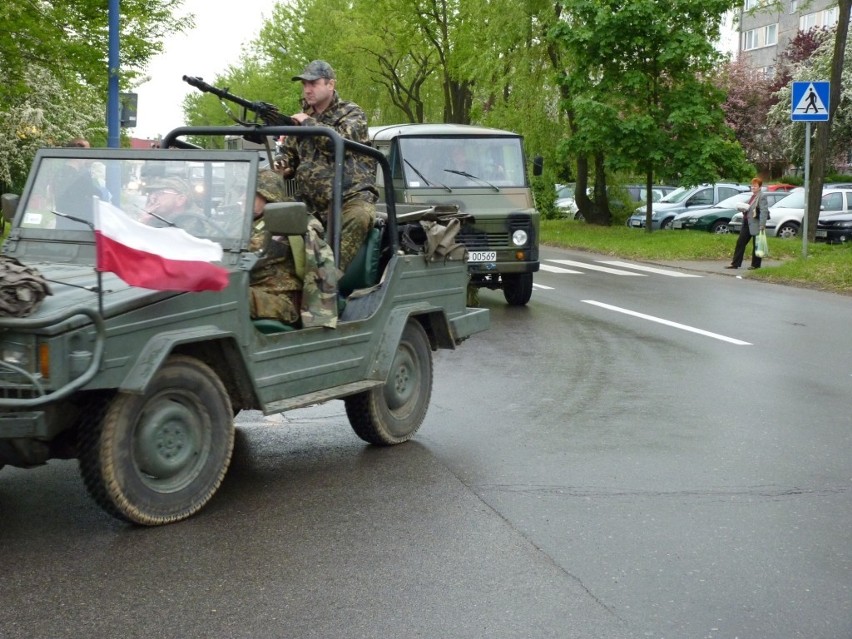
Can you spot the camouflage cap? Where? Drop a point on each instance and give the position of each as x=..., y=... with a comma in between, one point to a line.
x=316, y=70
x=176, y=184
x=270, y=186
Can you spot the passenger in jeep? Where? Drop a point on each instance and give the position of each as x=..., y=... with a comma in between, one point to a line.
x=275, y=290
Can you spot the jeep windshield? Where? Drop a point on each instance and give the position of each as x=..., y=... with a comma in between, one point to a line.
x=210, y=198
x=461, y=162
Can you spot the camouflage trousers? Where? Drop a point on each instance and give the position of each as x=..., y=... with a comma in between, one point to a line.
x=358, y=218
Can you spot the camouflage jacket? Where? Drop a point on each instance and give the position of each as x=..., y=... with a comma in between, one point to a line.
x=313, y=159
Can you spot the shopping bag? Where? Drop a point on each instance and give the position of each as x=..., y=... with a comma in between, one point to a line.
x=761, y=246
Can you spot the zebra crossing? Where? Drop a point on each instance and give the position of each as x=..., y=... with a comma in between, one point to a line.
x=617, y=268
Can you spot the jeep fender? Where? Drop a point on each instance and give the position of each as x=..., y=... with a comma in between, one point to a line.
x=434, y=322
x=156, y=351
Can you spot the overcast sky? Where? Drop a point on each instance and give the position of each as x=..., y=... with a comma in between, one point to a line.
x=207, y=50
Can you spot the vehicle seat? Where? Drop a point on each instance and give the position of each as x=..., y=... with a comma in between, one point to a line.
x=268, y=326
x=363, y=272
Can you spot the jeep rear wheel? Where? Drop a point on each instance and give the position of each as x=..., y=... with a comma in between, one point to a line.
x=158, y=457
x=392, y=413
x=517, y=289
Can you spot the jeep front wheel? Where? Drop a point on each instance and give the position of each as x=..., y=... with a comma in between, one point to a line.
x=158, y=457
x=517, y=289
x=392, y=413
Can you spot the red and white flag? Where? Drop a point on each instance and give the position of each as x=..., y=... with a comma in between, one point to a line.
x=162, y=259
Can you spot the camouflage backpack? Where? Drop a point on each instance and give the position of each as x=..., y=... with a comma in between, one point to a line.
x=22, y=288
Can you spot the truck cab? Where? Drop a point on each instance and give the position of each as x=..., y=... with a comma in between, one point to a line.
x=483, y=173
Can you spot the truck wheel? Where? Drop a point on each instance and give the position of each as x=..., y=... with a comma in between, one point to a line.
x=158, y=457
x=392, y=413
x=517, y=289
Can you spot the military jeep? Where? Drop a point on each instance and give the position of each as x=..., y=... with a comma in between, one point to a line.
x=142, y=386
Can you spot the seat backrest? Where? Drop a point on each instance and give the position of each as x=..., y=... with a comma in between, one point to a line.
x=363, y=272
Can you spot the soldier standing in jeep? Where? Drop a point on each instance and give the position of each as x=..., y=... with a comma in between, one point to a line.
x=310, y=158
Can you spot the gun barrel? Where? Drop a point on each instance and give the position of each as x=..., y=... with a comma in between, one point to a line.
x=267, y=112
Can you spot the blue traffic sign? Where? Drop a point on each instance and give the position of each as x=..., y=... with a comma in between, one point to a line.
x=810, y=101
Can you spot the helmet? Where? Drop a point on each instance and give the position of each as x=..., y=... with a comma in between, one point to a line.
x=270, y=186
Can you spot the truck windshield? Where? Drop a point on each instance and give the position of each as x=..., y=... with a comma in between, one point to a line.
x=209, y=199
x=462, y=162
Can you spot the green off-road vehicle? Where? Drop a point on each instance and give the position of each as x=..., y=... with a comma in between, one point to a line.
x=483, y=173
x=142, y=386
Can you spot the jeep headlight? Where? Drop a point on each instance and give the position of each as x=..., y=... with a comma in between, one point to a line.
x=520, y=237
x=16, y=354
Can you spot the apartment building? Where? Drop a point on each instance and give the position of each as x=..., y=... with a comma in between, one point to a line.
x=765, y=31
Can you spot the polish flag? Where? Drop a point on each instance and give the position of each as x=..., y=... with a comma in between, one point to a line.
x=161, y=259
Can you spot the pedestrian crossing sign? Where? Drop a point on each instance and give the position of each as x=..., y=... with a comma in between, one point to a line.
x=810, y=101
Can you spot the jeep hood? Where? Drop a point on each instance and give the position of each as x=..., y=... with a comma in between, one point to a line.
x=75, y=286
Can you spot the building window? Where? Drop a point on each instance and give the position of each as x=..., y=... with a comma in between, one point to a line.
x=768, y=72
x=794, y=6
x=761, y=37
x=826, y=18
x=771, y=35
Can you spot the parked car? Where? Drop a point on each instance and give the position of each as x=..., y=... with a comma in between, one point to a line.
x=680, y=200
x=834, y=227
x=658, y=192
x=717, y=218
x=785, y=218
x=779, y=187
x=565, y=203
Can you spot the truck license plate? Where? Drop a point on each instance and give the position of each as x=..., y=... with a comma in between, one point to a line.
x=482, y=256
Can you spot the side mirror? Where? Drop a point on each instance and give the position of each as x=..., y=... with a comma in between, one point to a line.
x=538, y=165
x=10, y=205
x=286, y=218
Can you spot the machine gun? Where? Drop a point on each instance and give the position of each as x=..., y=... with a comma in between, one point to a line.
x=268, y=113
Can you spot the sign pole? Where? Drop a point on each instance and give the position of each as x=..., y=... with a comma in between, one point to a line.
x=807, y=188
x=807, y=95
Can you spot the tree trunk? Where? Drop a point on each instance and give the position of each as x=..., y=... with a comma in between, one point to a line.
x=823, y=129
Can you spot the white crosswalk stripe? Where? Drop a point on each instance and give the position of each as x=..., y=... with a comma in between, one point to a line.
x=615, y=267
x=648, y=269
x=595, y=267
x=556, y=269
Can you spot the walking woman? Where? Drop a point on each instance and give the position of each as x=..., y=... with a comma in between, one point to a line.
x=754, y=221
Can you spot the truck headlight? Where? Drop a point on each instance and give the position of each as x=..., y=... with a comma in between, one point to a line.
x=520, y=237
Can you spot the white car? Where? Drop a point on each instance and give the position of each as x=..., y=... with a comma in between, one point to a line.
x=785, y=218
x=565, y=203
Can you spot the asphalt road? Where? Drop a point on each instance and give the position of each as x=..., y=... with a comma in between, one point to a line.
x=643, y=455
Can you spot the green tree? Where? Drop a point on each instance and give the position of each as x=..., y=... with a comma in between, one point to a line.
x=642, y=93
x=53, y=69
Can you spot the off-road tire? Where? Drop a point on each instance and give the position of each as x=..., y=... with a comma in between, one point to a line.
x=158, y=457
x=517, y=288
x=392, y=413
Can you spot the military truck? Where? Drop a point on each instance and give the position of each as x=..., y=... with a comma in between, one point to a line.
x=483, y=173
x=142, y=386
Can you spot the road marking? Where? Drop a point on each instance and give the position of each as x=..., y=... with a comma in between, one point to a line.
x=649, y=269
x=542, y=286
x=593, y=267
x=556, y=269
x=658, y=320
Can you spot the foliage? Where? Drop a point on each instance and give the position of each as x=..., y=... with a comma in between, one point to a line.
x=818, y=66
x=45, y=114
x=749, y=98
x=640, y=91
x=54, y=74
